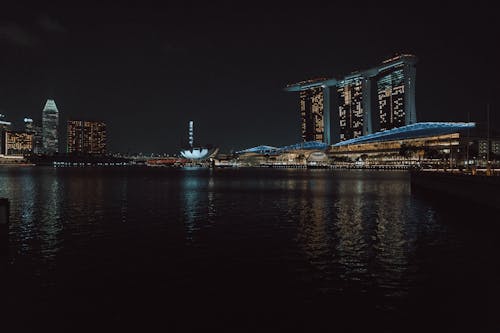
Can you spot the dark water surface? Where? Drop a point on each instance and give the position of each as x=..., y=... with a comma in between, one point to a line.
x=244, y=250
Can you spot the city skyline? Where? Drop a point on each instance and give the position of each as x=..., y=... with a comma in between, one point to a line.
x=202, y=71
x=387, y=89
x=243, y=166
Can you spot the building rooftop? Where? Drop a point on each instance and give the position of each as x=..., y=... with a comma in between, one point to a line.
x=308, y=145
x=258, y=150
x=329, y=82
x=412, y=131
x=50, y=105
x=312, y=83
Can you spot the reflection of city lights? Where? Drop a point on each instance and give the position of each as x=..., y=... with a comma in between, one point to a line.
x=364, y=233
x=191, y=193
x=51, y=226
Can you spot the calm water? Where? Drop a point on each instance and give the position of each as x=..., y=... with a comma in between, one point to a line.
x=244, y=250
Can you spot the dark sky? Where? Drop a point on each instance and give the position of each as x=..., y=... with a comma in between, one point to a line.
x=148, y=69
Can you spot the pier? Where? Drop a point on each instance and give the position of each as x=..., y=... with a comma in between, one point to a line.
x=480, y=189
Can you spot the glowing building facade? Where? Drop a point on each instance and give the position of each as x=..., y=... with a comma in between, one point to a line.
x=50, y=127
x=312, y=114
x=376, y=99
x=31, y=128
x=314, y=108
x=350, y=102
x=86, y=137
x=17, y=143
x=396, y=94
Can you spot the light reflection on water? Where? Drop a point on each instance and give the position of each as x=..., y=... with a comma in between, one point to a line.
x=324, y=232
x=51, y=224
x=351, y=228
x=192, y=190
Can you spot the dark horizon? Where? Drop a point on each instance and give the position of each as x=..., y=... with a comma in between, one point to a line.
x=146, y=71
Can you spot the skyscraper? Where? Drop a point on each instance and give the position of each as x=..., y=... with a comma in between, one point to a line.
x=376, y=99
x=50, y=126
x=396, y=92
x=4, y=126
x=86, y=137
x=31, y=128
x=350, y=95
x=314, y=108
x=312, y=113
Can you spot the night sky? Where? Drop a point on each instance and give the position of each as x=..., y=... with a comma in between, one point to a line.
x=147, y=70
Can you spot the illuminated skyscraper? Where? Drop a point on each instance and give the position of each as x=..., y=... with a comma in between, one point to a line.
x=4, y=127
x=396, y=92
x=314, y=108
x=50, y=127
x=376, y=99
x=86, y=137
x=350, y=94
x=74, y=140
x=31, y=128
x=312, y=114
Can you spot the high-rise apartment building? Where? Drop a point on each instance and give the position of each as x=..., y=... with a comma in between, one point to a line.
x=50, y=127
x=86, y=137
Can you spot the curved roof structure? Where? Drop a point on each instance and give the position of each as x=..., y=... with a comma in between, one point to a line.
x=308, y=145
x=412, y=131
x=259, y=150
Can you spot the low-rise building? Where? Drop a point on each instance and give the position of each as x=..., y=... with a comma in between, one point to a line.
x=17, y=143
